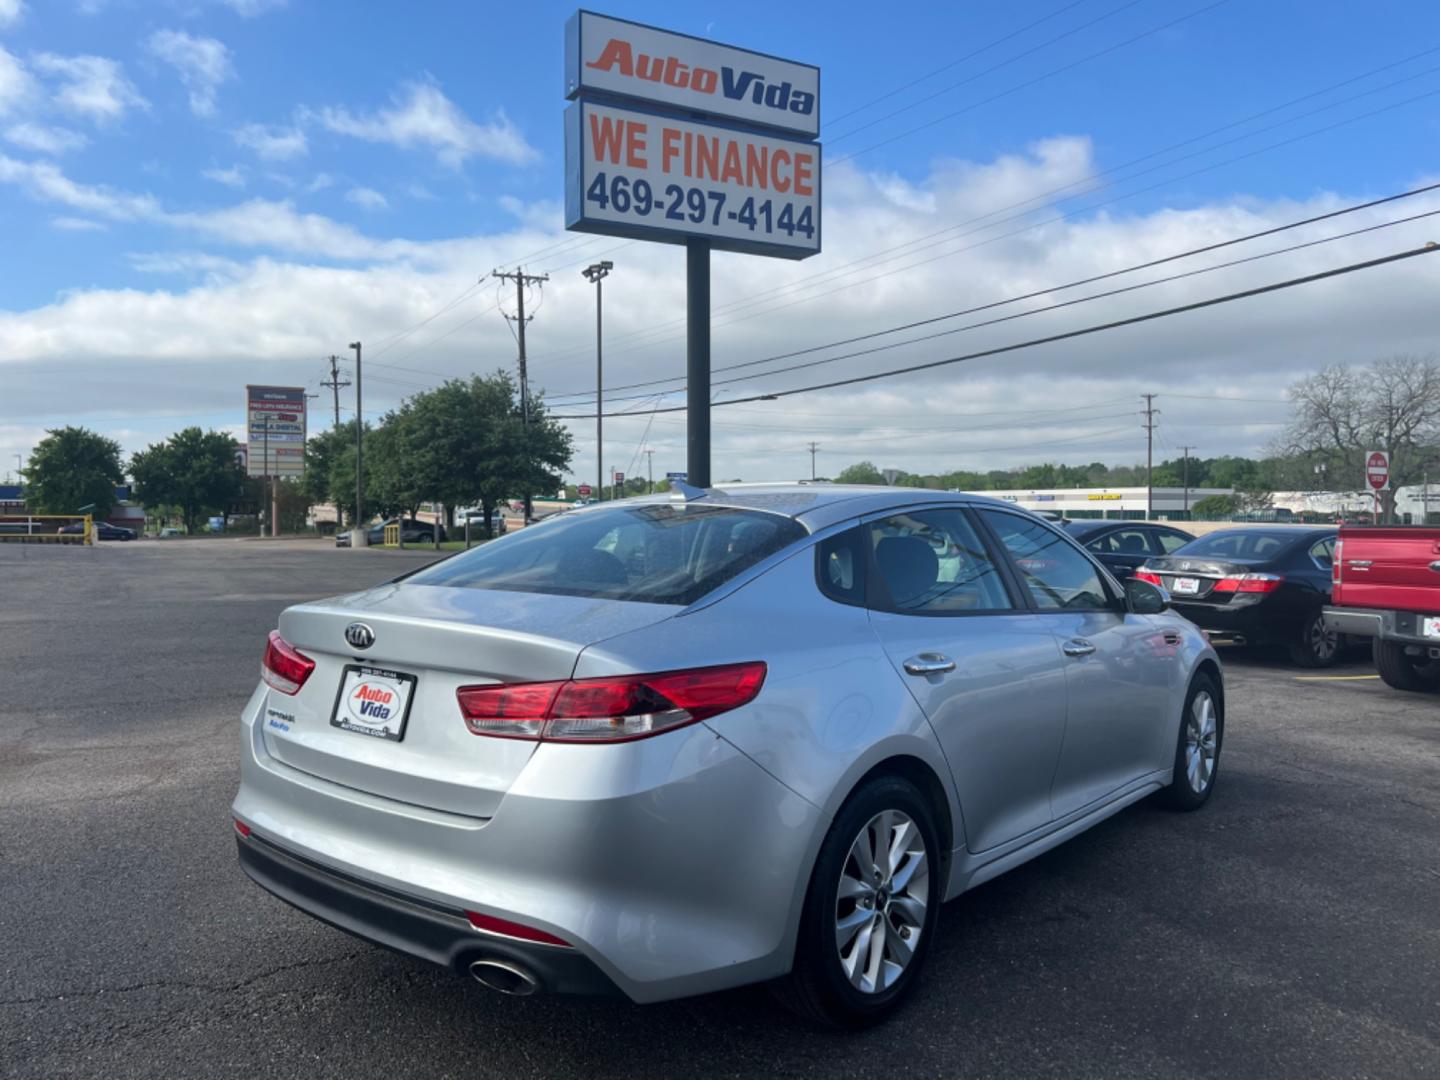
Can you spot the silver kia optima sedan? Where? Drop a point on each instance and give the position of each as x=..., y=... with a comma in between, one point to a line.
x=667, y=745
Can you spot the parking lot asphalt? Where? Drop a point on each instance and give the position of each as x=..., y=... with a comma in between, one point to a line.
x=1291, y=928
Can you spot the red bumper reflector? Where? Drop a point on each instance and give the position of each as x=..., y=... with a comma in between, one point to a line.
x=505, y=928
x=241, y=827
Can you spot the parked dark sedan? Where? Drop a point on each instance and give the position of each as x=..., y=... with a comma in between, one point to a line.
x=1125, y=546
x=103, y=530
x=411, y=532
x=1266, y=586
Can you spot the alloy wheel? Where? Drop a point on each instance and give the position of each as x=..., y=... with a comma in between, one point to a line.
x=881, y=903
x=1201, y=742
x=1321, y=639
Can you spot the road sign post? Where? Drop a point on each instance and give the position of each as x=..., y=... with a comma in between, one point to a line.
x=1377, y=475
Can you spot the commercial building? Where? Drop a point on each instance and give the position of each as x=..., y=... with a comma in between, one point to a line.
x=1121, y=503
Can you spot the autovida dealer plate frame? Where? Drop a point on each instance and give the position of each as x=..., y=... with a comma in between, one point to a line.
x=411, y=682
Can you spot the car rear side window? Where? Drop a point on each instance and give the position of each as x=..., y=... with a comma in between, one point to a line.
x=840, y=567
x=1058, y=576
x=655, y=554
x=1121, y=542
x=933, y=562
x=1170, y=541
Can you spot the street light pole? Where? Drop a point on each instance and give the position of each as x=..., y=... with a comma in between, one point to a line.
x=359, y=449
x=597, y=273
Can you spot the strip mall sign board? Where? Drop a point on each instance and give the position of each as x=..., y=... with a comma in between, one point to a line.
x=650, y=177
x=613, y=57
x=275, y=426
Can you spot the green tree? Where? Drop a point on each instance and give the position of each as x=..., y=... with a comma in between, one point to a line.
x=193, y=470
x=72, y=467
x=1214, y=507
x=863, y=472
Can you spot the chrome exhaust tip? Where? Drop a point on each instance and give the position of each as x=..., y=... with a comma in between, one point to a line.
x=505, y=977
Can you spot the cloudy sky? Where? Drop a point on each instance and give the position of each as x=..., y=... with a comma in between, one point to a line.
x=197, y=194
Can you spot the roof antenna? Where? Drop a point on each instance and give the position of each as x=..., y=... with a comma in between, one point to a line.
x=681, y=492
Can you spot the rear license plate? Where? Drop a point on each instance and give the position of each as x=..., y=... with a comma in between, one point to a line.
x=1430, y=625
x=373, y=701
x=1188, y=586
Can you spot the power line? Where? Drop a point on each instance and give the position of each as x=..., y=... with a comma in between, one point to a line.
x=1031, y=82
x=1368, y=264
x=768, y=298
x=1055, y=289
x=336, y=384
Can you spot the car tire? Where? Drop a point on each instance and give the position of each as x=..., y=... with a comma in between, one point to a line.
x=840, y=980
x=1402, y=671
x=1198, y=745
x=1315, y=645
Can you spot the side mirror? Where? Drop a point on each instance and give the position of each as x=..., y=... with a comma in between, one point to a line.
x=1143, y=598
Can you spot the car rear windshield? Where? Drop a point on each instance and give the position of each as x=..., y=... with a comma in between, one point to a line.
x=1240, y=544
x=655, y=554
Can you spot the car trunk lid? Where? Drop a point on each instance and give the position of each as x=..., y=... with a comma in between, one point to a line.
x=1204, y=572
x=1391, y=568
x=443, y=638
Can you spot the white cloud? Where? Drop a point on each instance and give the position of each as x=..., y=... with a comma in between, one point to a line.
x=201, y=62
x=16, y=85
x=225, y=322
x=43, y=180
x=366, y=197
x=272, y=143
x=92, y=86
x=43, y=139
x=232, y=177
x=11, y=12
x=75, y=224
x=421, y=115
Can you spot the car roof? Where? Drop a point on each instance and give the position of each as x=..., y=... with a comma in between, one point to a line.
x=817, y=505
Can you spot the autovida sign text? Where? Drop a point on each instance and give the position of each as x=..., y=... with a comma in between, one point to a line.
x=672, y=137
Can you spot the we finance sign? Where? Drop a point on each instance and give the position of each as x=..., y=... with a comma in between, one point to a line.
x=650, y=177
x=607, y=56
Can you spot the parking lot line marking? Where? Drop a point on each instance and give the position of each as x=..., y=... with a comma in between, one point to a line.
x=1333, y=678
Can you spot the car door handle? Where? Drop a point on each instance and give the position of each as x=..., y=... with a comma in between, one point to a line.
x=929, y=663
x=1077, y=647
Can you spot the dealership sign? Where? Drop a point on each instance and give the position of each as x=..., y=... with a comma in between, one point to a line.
x=275, y=430
x=616, y=58
x=650, y=177
x=672, y=138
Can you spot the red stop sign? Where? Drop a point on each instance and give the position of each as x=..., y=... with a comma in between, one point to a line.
x=1377, y=469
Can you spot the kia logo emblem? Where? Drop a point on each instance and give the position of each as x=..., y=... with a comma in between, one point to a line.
x=359, y=635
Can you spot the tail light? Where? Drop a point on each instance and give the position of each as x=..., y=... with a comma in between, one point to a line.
x=609, y=709
x=1249, y=583
x=1148, y=575
x=1335, y=563
x=284, y=668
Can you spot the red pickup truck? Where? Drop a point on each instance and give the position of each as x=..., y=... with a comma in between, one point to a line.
x=1386, y=586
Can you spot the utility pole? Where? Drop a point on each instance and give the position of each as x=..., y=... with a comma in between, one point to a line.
x=1186, y=474
x=1150, y=412
x=596, y=273
x=522, y=279
x=813, y=447
x=355, y=540
x=336, y=385
x=649, y=453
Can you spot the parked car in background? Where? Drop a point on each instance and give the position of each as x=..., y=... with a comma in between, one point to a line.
x=103, y=530
x=1386, y=587
x=1263, y=586
x=659, y=746
x=169, y=532
x=498, y=523
x=411, y=532
x=1124, y=546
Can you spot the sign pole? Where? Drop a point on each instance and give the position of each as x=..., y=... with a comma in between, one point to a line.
x=697, y=361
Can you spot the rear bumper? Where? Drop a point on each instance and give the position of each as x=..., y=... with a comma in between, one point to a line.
x=674, y=865
x=1247, y=621
x=1399, y=626
x=409, y=924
